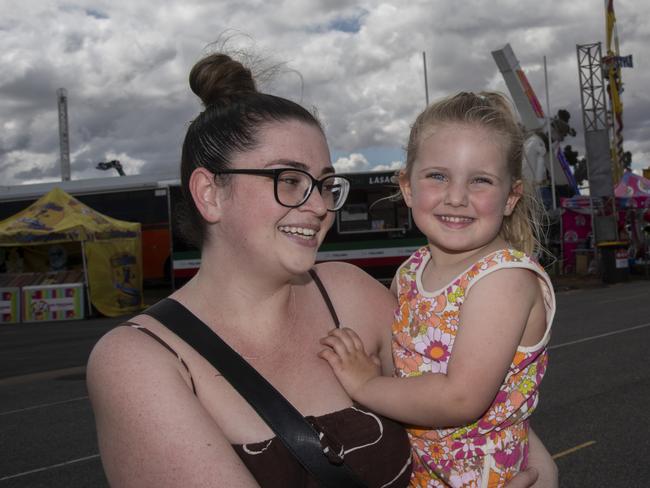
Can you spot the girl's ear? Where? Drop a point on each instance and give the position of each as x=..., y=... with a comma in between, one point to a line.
x=205, y=193
x=516, y=193
x=405, y=187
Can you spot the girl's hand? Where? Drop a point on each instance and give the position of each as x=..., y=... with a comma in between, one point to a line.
x=351, y=364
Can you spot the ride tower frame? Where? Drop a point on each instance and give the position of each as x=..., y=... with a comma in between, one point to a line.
x=596, y=123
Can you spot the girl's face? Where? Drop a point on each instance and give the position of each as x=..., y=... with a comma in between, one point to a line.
x=259, y=231
x=460, y=189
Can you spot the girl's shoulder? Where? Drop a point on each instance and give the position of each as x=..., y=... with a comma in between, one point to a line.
x=504, y=258
x=522, y=269
x=414, y=262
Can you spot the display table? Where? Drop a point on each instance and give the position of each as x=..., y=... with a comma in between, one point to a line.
x=9, y=305
x=43, y=303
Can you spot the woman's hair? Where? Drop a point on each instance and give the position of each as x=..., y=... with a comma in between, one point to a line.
x=230, y=123
x=489, y=110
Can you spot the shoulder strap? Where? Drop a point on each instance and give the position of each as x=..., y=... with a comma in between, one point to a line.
x=298, y=436
x=326, y=297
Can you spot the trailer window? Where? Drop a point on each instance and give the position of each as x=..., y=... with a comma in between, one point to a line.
x=368, y=210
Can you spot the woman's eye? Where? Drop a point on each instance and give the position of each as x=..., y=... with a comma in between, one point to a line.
x=288, y=180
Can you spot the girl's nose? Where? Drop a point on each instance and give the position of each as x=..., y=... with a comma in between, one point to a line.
x=456, y=195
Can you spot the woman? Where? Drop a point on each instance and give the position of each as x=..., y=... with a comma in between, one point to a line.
x=261, y=196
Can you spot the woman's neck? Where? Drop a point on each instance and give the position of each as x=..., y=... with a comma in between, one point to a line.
x=252, y=306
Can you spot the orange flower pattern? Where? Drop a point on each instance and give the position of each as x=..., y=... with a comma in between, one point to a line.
x=490, y=451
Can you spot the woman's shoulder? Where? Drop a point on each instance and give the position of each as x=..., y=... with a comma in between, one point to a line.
x=345, y=278
x=360, y=300
x=125, y=355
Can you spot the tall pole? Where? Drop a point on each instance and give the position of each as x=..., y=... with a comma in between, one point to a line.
x=64, y=142
x=426, y=83
x=615, y=90
x=551, y=156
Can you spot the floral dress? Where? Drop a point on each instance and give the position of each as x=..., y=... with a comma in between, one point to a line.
x=493, y=449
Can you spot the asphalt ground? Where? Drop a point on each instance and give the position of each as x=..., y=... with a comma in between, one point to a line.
x=593, y=414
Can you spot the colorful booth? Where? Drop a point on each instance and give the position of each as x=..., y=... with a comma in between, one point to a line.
x=49, y=230
x=632, y=206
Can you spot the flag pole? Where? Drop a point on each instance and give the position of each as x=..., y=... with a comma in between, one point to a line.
x=426, y=83
x=551, y=156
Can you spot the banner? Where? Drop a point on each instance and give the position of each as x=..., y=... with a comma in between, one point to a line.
x=115, y=276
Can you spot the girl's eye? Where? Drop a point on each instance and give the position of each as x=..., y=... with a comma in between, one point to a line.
x=437, y=176
x=483, y=180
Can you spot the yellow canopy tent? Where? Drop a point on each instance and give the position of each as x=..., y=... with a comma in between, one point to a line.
x=111, y=248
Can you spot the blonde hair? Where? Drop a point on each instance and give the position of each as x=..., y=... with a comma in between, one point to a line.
x=523, y=229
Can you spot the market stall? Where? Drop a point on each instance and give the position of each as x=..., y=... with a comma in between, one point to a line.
x=58, y=252
x=632, y=206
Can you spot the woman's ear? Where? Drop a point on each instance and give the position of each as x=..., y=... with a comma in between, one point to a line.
x=405, y=187
x=205, y=193
x=516, y=193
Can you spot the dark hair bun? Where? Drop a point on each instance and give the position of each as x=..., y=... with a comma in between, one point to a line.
x=218, y=76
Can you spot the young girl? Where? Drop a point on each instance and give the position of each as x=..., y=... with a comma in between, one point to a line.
x=482, y=333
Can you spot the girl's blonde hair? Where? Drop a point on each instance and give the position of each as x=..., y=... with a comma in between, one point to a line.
x=522, y=229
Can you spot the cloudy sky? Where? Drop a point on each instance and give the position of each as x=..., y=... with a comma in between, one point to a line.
x=124, y=64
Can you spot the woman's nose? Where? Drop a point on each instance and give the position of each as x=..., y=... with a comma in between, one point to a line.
x=315, y=202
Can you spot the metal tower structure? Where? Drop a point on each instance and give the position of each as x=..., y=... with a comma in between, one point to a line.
x=596, y=127
x=64, y=141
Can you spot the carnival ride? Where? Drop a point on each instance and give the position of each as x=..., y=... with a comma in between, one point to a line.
x=618, y=224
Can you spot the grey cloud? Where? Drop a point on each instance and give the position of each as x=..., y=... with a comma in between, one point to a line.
x=126, y=65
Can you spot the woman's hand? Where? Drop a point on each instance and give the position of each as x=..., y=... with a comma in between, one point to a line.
x=524, y=479
x=351, y=364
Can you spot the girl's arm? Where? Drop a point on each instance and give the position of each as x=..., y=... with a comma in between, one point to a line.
x=493, y=319
x=364, y=304
x=152, y=430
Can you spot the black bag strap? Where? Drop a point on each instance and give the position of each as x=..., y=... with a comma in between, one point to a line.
x=298, y=436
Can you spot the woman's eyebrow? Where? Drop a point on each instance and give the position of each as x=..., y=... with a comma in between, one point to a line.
x=288, y=162
x=299, y=165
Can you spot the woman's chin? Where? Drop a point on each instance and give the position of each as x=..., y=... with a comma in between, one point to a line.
x=300, y=263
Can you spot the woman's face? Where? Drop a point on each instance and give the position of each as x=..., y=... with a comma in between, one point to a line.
x=262, y=232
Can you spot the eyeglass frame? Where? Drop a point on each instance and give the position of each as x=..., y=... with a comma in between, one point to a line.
x=275, y=174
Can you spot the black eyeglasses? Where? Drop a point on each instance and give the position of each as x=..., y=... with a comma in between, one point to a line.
x=293, y=187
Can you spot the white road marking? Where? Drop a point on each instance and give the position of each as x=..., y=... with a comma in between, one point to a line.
x=43, y=405
x=43, y=375
x=591, y=338
x=38, y=470
x=573, y=449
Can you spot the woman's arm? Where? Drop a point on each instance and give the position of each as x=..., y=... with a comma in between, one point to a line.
x=540, y=459
x=493, y=319
x=152, y=430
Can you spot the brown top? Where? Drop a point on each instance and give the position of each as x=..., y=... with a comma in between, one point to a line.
x=377, y=449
